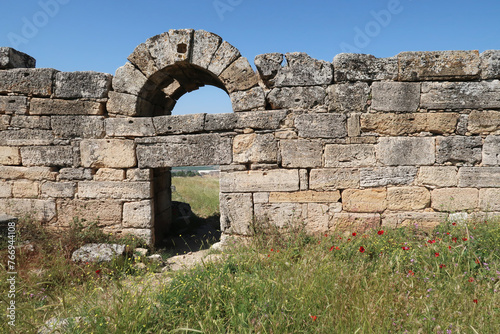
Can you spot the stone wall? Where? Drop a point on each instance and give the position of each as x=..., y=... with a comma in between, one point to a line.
x=356, y=143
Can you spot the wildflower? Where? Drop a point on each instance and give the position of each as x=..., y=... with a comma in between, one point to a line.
x=464, y=239
x=362, y=249
x=431, y=241
x=411, y=273
x=441, y=266
x=354, y=234
x=98, y=271
x=272, y=250
x=313, y=317
x=448, y=233
x=332, y=248
x=453, y=224
x=380, y=232
x=454, y=239
x=477, y=261
x=436, y=254
x=405, y=248
x=449, y=247
x=475, y=301
x=471, y=279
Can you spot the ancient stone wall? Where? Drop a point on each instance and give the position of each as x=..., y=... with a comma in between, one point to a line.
x=351, y=144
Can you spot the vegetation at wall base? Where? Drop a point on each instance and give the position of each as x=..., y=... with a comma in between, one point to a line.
x=381, y=281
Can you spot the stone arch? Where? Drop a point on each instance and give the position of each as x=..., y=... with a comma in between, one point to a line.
x=168, y=65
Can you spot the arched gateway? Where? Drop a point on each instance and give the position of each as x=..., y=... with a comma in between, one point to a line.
x=351, y=144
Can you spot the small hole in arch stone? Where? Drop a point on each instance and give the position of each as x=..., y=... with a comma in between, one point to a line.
x=130, y=121
x=169, y=128
x=181, y=48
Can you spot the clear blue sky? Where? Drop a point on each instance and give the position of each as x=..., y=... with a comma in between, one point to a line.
x=79, y=35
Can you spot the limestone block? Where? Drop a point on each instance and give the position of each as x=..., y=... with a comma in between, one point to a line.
x=333, y=178
x=279, y=215
x=489, y=199
x=65, y=107
x=454, y=199
x=438, y=65
x=491, y=151
x=27, y=81
x=72, y=174
x=225, y=55
x=113, y=153
x=25, y=189
x=490, y=64
x=87, y=84
x=365, y=200
x=363, y=67
x=41, y=211
x=320, y=217
x=179, y=124
x=348, y=97
x=261, y=197
x=78, y=126
x=115, y=190
x=137, y=174
x=47, y=156
x=28, y=173
x=176, y=48
x=483, y=121
x=189, y=150
x=458, y=149
x=296, y=97
x=463, y=123
x=254, y=147
x=383, y=176
x=426, y=221
x=205, y=44
x=303, y=179
x=5, y=189
x=354, y=155
x=355, y=222
x=221, y=122
x=127, y=105
x=236, y=211
x=353, y=125
x=302, y=70
x=301, y=153
x=309, y=196
x=403, y=151
x=239, y=76
x=408, y=198
x=58, y=189
x=9, y=155
x=4, y=122
x=30, y=122
x=393, y=124
x=26, y=137
x=11, y=58
x=13, y=105
x=130, y=80
x=479, y=177
x=461, y=95
x=109, y=174
x=256, y=181
x=261, y=120
x=129, y=127
x=437, y=176
x=395, y=96
x=142, y=59
x=268, y=65
x=251, y=99
x=321, y=125
x=106, y=212
x=146, y=235
x=138, y=214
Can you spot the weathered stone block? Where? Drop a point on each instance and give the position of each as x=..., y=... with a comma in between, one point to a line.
x=483, y=121
x=128, y=79
x=395, y=96
x=47, y=156
x=354, y=155
x=142, y=59
x=408, y=198
x=401, y=151
x=220, y=122
x=26, y=137
x=268, y=65
x=109, y=174
x=296, y=97
x=363, y=67
x=13, y=105
x=179, y=124
x=130, y=127
x=42, y=211
x=137, y=174
x=256, y=181
x=303, y=179
x=458, y=149
x=72, y=174
x=239, y=76
x=489, y=199
x=4, y=122
x=426, y=221
x=30, y=122
x=236, y=211
x=27, y=81
x=393, y=124
x=113, y=153
x=252, y=99
x=454, y=199
x=115, y=190
x=280, y=215
x=302, y=70
x=321, y=125
x=29, y=173
x=58, y=189
x=460, y=95
x=383, y=176
x=106, y=212
x=260, y=120
x=9, y=155
x=438, y=65
x=205, y=44
x=491, y=151
x=192, y=150
x=355, y=222
x=138, y=214
x=225, y=55
x=254, y=147
x=11, y=58
x=353, y=125
x=128, y=105
x=490, y=64
x=479, y=177
x=320, y=217
x=65, y=107
x=169, y=48
x=348, y=97
x=304, y=197
x=301, y=153
x=78, y=126
x=437, y=176
x=365, y=200
x=5, y=189
x=334, y=178
x=25, y=189
x=261, y=197
x=88, y=84
x=144, y=234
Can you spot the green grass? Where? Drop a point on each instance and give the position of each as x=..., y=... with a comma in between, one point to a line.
x=403, y=282
x=202, y=193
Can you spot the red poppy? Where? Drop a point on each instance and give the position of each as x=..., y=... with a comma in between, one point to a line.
x=449, y=247
x=448, y=233
x=411, y=273
x=332, y=248
x=464, y=239
x=98, y=271
x=442, y=266
x=453, y=224
x=475, y=301
x=354, y=234
x=454, y=239
x=380, y=232
x=326, y=235
x=436, y=254
x=477, y=261
x=272, y=249
x=471, y=279
x=362, y=249
x=313, y=317
x=431, y=241
x=406, y=248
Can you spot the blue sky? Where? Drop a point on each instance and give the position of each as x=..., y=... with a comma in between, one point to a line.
x=76, y=35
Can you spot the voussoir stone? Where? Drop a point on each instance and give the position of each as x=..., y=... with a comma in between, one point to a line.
x=395, y=96
x=88, y=84
x=205, y=44
x=98, y=253
x=363, y=67
x=302, y=70
x=239, y=76
x=11, y=58
x=321, y=125
x=114, y=153
x=128, y=79
x=225, y=55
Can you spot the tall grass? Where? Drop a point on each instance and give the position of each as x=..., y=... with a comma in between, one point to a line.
x=201, y=192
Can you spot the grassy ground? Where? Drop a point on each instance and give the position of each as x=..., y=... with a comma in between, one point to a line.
x=202, y=193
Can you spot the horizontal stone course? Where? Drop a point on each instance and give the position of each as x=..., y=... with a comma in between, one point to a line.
x=113, y=153
x=65, y=107
x=256, y=181
x=304, y=197
x=115, y=190
x=333, y=179
x=460, y=95
x=13, y=105
x=28, y=81
x=89, y=84
x=404, y=151
x=61, y=156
